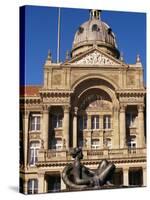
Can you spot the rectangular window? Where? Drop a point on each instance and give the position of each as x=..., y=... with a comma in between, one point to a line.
x=95, y=144
x=130, y=119
x=107, y=122
x=95, y=122
x=33, y=157
x=57, y=121
x=32, y=186
x=83, y=122
x=35, y=123
x=57, y=144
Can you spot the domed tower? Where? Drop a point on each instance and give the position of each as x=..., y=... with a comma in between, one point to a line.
x=94, y=32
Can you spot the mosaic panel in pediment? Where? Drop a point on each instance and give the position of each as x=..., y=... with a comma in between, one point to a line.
x=96, y=58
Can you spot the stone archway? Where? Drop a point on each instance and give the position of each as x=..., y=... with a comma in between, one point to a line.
x=95, y=103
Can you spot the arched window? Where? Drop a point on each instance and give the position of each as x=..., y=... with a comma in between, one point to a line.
x=32, y=186
x=33, y=155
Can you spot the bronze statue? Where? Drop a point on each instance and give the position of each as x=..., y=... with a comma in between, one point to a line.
x=77, y=176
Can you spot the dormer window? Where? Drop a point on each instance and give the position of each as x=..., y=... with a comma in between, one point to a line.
x=109, y=31
x=95, y=27
x=81, y=29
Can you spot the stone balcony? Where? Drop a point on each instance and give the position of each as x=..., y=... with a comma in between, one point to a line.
x=110, y=154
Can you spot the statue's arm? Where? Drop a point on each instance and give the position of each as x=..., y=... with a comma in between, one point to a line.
x=76, y=173
x=88, y=171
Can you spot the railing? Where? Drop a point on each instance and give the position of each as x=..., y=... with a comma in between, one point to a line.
x=63, y=155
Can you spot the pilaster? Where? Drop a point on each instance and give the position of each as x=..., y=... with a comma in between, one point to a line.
x=141, y=137
x=45, y=120
x=75, y=127
x=25, y=186
x=122, y=126
x=66, y=126
x=144, y=176
x=126, y=176
x=41, y=182
x=25, y=135
x=115, y=127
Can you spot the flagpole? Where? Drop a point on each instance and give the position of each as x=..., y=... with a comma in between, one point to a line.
x=58, y=37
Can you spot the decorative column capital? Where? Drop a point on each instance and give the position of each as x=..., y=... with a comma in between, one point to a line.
x=140, y=107
x=66, y=108
x=41, y=174
x=75, y=110
x=122, y=107
x=45, y=108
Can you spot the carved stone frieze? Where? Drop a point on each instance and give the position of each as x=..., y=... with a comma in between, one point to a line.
x=34, y=135
x=131, y=99
x=56, y=79
x=130, y=79
x=96, y=58
x=56, y=100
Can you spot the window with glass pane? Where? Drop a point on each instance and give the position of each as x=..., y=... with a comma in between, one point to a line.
x=35, y=123
x=130, y=119
x=95, y=122
x=108, y=142
x=132, y=142
x=107, y=122
x=57, y=120
x=83, y=122
x=57, y=143
x=34, y=148
x=32, y=186
x=95, y=144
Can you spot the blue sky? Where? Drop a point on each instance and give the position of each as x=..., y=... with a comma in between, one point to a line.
x=41, y=35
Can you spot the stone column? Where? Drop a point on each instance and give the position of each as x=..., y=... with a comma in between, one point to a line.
x=122, y=127
x=102, y=137
x=125, y=176
x=45, y=120
x=25, y=136
x=25, y=189
x=66, y=126
x=45, y=186
x=88, y=134
x=144, y=176
x=141, y=137
x=89, y=122
x=115, y=127
x=41, y=183
x=63, y=185
x=75, y=127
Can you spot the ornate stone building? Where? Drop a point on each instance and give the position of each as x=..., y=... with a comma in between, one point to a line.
x=93, y=100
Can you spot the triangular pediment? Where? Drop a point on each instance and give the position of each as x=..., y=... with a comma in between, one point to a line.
x=94, y=56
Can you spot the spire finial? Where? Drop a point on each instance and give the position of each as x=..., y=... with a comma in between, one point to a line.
x=95, y=14
x=121, y=56
x=67, y=55
x=138, y=58
x=49, y=57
